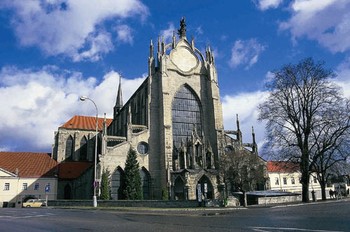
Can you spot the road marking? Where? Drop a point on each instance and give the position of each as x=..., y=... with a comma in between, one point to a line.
x=26, y=216
x=268, y=229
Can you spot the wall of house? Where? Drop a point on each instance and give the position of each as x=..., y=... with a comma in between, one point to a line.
x=17, y=192
x=284, y=182
x=79, y=188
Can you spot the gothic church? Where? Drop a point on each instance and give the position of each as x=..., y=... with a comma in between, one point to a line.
x=174, y=121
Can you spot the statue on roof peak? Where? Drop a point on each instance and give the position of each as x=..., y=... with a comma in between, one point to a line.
x=182, y=31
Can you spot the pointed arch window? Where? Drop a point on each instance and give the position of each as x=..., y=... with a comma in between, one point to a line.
x=69, y=148
x=186, y=114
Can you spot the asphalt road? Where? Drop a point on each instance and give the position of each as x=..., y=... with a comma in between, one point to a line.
x=321, y=217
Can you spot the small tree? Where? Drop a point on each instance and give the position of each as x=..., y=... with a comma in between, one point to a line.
x=133, y=184
x=105, y=187
x=242, y=171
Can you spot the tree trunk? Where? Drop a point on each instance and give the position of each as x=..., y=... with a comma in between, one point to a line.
x=305, y=175
x=245, y=199
x=323, y=190
x=305, y=192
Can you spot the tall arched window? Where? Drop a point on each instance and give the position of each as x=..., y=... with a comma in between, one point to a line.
x=69, y=148
x=145, y=177
x=83, y=149
x=118, y=184
x=186, y=113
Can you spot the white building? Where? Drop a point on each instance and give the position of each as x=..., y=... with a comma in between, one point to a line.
x=286, y=176
x=25, y=175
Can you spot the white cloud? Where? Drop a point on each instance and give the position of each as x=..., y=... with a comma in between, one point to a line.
x=71, y=27
x=327, y=22
x=269, y=77
x=99, y=44
x=343, y=76
x=125, y=34
x=199, y=30
x=246, y=106
x=167, y=34
x=245, y=52
x=267, y=4
x=39, y=101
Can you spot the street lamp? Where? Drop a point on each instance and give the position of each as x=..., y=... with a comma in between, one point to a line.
x=83, y=98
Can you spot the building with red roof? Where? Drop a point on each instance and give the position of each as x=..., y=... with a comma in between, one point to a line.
x=74, y=149
x=75, y=139
x=25, y=175
x=286, y=176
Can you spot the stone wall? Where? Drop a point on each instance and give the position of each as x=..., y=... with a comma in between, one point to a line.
x=124, y=203
x=278, y=199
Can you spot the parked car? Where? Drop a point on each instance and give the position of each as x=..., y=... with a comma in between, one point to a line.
x=34, y=203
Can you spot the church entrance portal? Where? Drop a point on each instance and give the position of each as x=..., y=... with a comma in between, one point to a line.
x=179, y=189
x=204, y=188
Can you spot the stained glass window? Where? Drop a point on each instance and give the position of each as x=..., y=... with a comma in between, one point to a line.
x=186, y=113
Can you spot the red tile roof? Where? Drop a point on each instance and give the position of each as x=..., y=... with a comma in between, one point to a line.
x=72, y=170
x=28, y=164
x=282, y=166
x=85, y=123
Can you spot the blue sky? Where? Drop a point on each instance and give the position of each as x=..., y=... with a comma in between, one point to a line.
x=53, y=51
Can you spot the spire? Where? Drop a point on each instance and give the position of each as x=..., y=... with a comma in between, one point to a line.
x=174, y=40
x=253, y=134
x=192, y=43
x=182, y=30
x=237, y=122
x=119, y=100
x=255, y=146
x=150, y=50
x=239, y=133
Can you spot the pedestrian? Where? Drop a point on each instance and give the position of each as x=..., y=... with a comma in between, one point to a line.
x=313, y=196
x=331, y=193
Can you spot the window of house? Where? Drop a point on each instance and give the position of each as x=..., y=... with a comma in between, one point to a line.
x=36, y=186
x=7, y=186
x=285, y=180
x=315, y=179
x=293, y=180
x=277, y=182
x=25, y=186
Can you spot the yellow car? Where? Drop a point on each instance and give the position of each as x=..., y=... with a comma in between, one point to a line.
x=34, y=203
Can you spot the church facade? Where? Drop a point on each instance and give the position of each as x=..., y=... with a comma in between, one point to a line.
x=174, y=122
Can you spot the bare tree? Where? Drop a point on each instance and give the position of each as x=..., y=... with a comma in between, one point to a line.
x=330, y=145
x=243, y=171
x=307, y=117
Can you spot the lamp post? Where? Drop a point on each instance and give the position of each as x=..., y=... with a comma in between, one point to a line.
x=94, y=198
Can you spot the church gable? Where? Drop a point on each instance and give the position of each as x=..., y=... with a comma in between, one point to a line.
x=183, y=58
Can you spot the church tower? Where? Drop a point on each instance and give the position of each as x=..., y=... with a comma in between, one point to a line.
x=119, y=100
x=189, y=116
x=174, y=121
